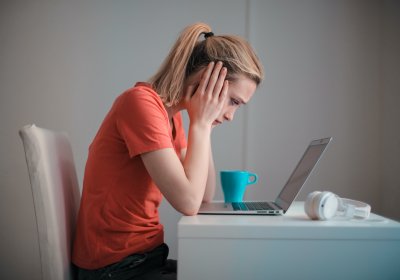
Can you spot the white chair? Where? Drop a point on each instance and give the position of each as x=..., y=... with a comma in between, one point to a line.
x=56, y=197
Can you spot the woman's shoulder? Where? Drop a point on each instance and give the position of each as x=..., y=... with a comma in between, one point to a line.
x=141, y=88
x=141, y=92
x=140, y=98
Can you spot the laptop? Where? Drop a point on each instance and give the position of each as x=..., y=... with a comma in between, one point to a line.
x=287, y=195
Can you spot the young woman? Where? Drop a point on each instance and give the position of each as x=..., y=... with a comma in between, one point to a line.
x=140, y=154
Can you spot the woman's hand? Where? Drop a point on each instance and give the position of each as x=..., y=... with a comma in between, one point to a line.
x=205, y=103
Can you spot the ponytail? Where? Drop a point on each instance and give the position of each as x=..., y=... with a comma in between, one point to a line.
x=168, y=82
x=189, y=55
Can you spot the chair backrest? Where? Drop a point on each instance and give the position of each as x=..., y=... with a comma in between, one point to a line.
x=56, y=197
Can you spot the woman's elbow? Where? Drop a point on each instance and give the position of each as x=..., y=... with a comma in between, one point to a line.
x=189, y=208
x=192, y=209
x=190, y=212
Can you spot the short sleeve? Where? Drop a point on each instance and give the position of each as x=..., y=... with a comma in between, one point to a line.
x=142, y=121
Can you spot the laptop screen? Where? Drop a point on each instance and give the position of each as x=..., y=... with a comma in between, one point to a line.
x=301, y=173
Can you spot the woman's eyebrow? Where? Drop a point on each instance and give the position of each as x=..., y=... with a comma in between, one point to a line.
x=239, y=99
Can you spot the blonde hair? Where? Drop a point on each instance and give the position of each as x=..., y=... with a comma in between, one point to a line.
x=189, y=55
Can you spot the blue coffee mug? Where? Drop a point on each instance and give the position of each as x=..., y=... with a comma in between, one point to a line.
x=234, y=183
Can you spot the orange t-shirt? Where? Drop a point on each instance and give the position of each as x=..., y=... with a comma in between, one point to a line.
x=118, y=215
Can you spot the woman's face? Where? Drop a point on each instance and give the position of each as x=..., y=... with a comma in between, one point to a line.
x=240, y=91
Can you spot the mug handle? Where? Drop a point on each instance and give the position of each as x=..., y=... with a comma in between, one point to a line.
x=252, y=179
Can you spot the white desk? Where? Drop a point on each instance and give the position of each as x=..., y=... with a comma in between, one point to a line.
x=287, y=247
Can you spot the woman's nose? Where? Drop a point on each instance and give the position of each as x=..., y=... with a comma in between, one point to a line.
x=229, y=115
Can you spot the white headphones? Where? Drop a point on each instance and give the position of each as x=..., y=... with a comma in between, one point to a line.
x=325, y=205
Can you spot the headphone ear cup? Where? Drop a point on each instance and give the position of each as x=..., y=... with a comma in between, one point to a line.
x=309, y=205
x=326, y=205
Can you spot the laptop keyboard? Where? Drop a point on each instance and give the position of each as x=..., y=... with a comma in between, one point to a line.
x=246, y=206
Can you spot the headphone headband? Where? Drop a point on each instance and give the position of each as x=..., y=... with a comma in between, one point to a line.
x=354, y=208
x=325, y=205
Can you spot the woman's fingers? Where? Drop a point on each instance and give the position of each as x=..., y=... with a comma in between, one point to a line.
x=205, y=78
x=212, y=79
x=219, y=84
x=224, y=91
x=216, y=79
x=223, y=94
x=209, y=96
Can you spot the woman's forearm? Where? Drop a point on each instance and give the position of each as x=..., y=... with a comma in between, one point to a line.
x=197, y=161
x=183, y=184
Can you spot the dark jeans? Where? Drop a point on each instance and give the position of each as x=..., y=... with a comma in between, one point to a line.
x=151, y=265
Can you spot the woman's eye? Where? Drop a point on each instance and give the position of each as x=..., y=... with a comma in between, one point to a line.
x=235, y=102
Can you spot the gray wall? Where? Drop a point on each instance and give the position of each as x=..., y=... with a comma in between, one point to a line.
x=331, y=70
